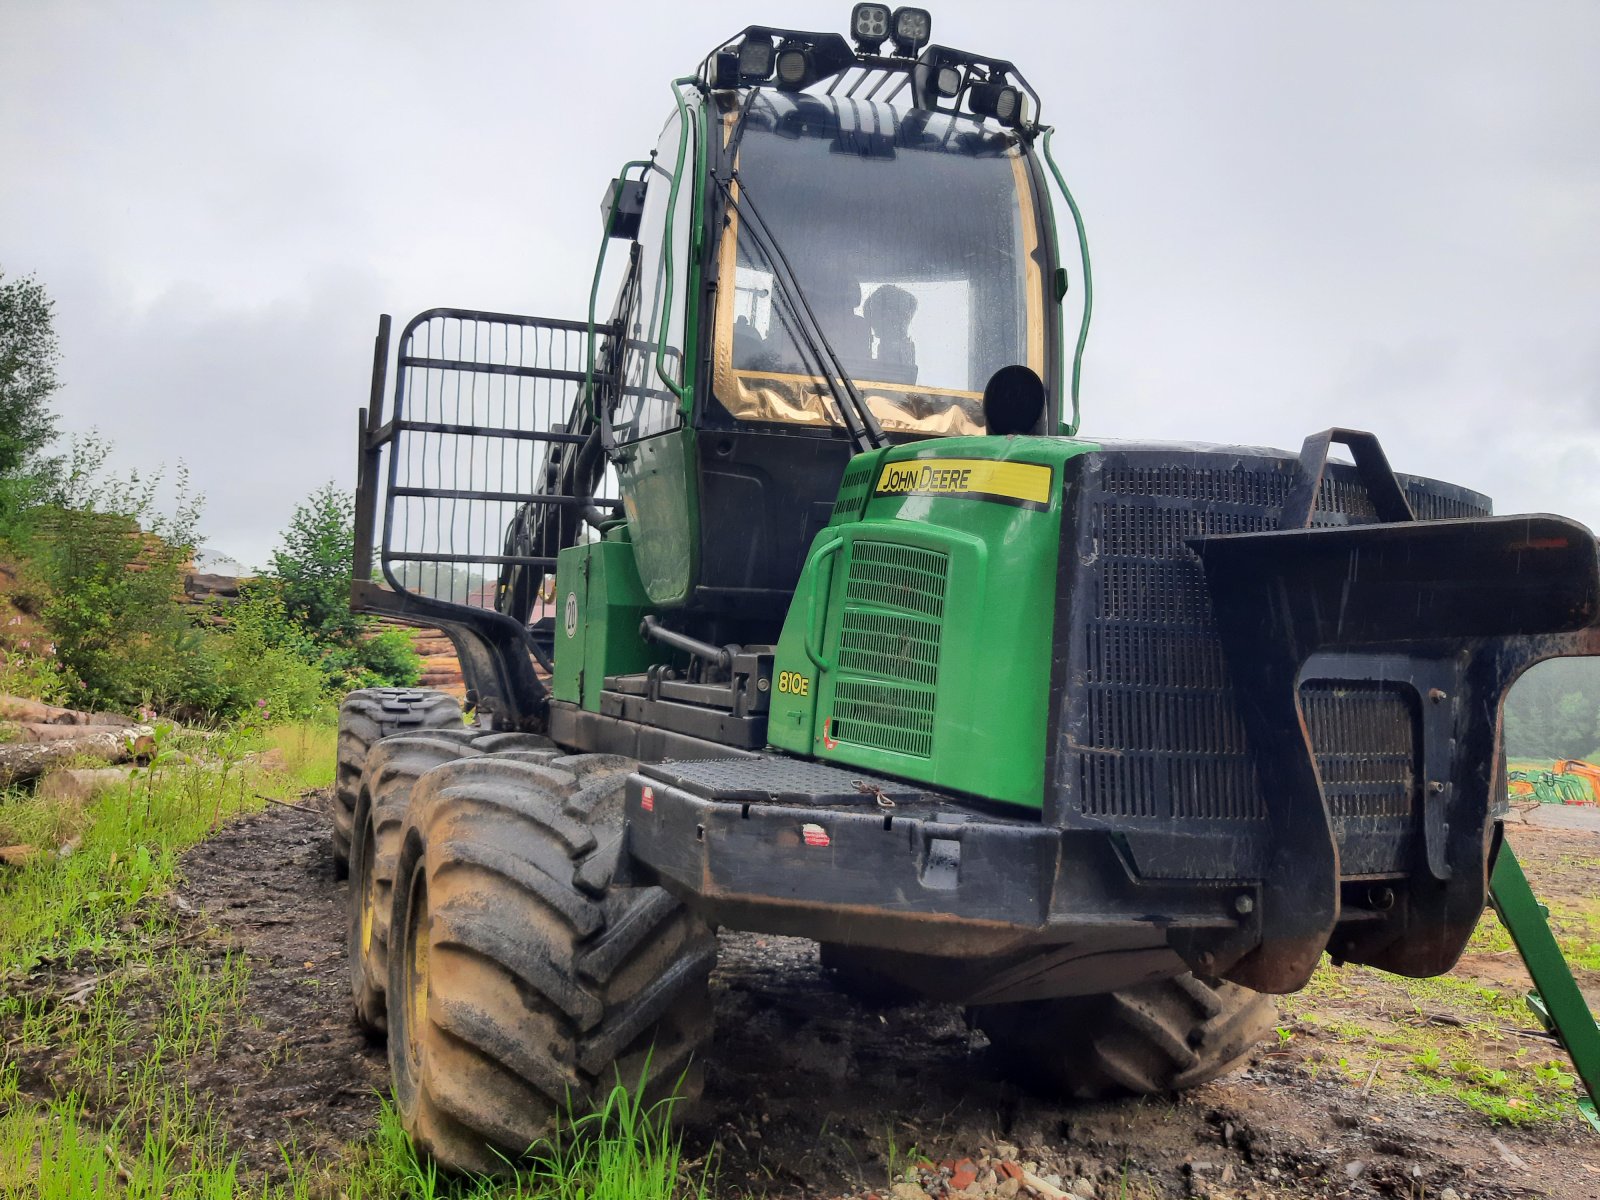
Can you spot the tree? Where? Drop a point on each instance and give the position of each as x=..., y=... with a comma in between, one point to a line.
x=311, y=572
x=28, y=357
x=1554, y=710
x=316, y=563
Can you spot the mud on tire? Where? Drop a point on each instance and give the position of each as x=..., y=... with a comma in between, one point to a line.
x=1159, y=1037
x=519, y=976
x=393, y=767
x=365, y=717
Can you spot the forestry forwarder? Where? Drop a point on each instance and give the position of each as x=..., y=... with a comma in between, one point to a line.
x=815, y=615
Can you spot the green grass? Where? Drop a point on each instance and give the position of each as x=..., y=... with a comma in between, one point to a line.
x=1447, y=1036
x=118, y=1120
x=137, y=1002
x=625, y=1151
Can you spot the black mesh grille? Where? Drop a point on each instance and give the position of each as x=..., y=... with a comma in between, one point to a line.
x=853, y=491
x=1365, y=747
x=1152, y=733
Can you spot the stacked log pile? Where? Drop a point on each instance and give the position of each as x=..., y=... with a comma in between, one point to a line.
x=43, y=736
x=440, y=667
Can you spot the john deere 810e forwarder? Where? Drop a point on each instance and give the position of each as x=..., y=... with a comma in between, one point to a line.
x=789, y=598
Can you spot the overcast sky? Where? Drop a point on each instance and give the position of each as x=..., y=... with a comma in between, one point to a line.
x=1371, y=214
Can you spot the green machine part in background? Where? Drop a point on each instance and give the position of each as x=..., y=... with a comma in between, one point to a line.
x=599, y=604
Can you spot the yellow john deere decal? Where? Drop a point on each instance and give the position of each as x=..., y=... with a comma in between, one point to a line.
x=1027, y=484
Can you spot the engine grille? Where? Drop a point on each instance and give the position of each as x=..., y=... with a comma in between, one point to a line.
x=1151, y=735
x=888, y=669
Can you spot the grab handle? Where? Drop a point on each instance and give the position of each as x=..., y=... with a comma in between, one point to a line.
x=813, y=570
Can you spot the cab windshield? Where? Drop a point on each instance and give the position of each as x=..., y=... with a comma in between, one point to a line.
x=914, y=238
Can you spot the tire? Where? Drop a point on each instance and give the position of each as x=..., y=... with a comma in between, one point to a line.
x=520, y=977
x=1159, y=1037
x=851, y=968
x=365, y=717
x=393, y=767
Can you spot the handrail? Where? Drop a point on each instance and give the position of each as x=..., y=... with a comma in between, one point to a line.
x=1088, y=277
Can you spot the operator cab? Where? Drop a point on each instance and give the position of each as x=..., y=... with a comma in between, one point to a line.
x=874, y=245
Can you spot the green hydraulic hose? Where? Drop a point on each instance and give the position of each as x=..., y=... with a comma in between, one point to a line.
x=1088, y=277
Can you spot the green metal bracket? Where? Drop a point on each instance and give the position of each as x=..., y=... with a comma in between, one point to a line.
x=1557, y=1002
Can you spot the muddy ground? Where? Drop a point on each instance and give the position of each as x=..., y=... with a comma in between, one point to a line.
x=808, y=1091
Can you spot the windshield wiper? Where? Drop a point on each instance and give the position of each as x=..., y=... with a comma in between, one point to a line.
x=859, y=421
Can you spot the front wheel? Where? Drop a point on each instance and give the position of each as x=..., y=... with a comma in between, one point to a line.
x=521, y=979
x=1159, y=1037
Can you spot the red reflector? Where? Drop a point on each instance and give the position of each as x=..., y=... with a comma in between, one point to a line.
x=815, y=835
x=648, y=800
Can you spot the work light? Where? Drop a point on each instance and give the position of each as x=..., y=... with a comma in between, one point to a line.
x=755, y=60
x=869, y=26
x=998, y=100
x=794, y=69
x=912, y=28
x=947, y=81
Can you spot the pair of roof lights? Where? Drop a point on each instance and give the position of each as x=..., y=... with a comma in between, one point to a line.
x=986, y=98
x=873, y=24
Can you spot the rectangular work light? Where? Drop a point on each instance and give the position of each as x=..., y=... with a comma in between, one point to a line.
x=869, y=26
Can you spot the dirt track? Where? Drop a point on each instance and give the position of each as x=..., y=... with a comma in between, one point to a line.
x=807, y=1089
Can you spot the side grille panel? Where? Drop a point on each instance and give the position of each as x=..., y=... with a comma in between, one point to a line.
x=895, y=576
x=854, y=489
x=889, y=639
x=884, y=716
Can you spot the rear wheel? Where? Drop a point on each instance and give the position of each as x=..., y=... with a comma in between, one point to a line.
x=365, y=717
x=393, y=767
x=520, y=976
x=1159, y=1037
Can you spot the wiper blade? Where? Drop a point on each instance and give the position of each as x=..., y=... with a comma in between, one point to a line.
x=859, y=421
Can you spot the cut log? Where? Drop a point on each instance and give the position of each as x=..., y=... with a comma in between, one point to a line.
x=21, y=761
x=81, y=784
x=36, y=712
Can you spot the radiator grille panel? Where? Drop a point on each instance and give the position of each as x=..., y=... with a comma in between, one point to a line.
x=1365, y=741
x=889, y=639
x=1154, y=737
x=884, y=715
x=889, y=647
x=895, y=576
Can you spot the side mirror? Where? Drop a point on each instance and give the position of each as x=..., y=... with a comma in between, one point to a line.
x=1013, y=401
x=622, y=206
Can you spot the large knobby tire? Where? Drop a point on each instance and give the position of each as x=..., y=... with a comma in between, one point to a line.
x=365, y=717
x=393, y=767
x=520, y=977
x=1158, y=1037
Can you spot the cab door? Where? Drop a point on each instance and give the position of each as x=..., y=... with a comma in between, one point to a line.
x=657, y=467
